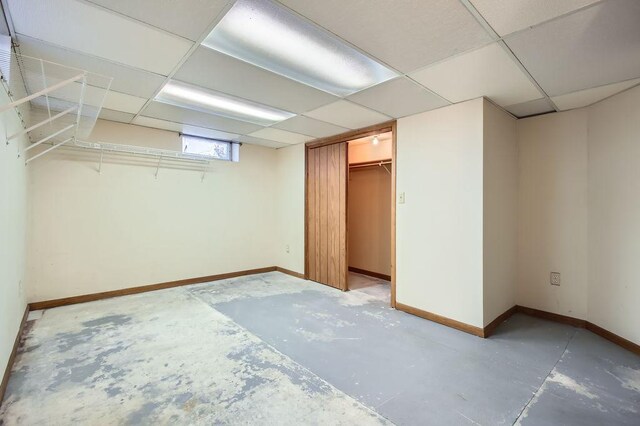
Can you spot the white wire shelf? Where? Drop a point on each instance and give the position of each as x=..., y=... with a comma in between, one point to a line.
x=57, y=104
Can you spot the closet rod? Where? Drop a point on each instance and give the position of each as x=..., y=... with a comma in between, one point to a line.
x=377, y=163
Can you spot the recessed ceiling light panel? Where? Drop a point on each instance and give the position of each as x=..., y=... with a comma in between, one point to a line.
x=199, y=99
x=268, y=35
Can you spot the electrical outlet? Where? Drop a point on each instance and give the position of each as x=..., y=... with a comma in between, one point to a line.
x=286, y=248
x=401, y=198
x=555, y=278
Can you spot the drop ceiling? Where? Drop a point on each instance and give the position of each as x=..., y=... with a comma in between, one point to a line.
x=529, y=57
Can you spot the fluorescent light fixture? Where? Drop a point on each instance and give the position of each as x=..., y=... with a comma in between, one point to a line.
x=199, y=99
x=270, y=36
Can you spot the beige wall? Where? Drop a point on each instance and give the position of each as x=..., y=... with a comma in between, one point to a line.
x=95, y=232
x=500, y=192
x=13, y=218
x=614, y=214
x=369, y=207
x=289, y=201
x=439, y=228
x=553, y=212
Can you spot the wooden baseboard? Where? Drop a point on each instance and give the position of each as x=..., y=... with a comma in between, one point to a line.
x=370, y=273
x=12, y=356
x=467, y=328
x=491, y=327
x=563, y=319
x=618, y=340
x=290, y=272
x=48, y=304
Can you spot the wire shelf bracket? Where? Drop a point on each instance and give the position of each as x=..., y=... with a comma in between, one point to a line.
x=57, y=104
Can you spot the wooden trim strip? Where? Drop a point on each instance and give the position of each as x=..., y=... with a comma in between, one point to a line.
x=290, y=272
x=12, y=356
x=48, y=304
x=370, y=273
x=563, y=319
x=618, y=340
x=353, y=134
x=467, y=328
x=394, y=173
x=491, y=327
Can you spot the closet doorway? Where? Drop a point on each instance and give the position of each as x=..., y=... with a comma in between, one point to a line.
x=350, y=209
x=369, y=214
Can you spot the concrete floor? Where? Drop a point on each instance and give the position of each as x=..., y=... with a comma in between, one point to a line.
x=273, y=349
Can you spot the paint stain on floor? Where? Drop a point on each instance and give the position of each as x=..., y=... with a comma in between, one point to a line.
x=273, y=349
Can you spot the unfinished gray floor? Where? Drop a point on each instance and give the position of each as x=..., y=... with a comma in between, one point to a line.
x=273, y=349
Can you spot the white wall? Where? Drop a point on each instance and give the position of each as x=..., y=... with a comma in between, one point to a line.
x=552, y=212
x=13, y=219
x=614, y=214
x=95, y=232
x=439, y=229
x=290, y=181
x=500, y=211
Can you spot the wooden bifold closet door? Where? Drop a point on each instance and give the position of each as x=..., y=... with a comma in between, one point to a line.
x=327, y=169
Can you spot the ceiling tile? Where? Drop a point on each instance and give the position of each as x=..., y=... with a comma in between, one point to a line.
x=488, y=71
x=525, y=109
x=589, y=96
x=506, y=17
x=123, y=102
x=217, y=71
x=262, y=142
x=347, y=114
x=125, y=79
x=187, y=18
x=405, y=34
x=84, y=27
x=109, y=114
x=280, y=136
x=597, y=46
x=398, y=98
x=97, y=96
x=183, y=128
x=309, y=126
x=196, y=118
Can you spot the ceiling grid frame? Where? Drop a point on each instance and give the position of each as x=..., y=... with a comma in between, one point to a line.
x=468, y=5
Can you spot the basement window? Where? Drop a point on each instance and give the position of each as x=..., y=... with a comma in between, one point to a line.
x=213, y=148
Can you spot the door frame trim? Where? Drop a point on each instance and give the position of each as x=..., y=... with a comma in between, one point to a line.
x=389, y=126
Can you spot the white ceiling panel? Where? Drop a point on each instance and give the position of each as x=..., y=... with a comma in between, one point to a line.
x=95, y=31
x=309, y=126
x=597, y=46
x=196, y=118
x=488, y=71
x=405, y=34
x=280, y=136
x=217, y=71
x=183, y=128
x=186, y=18
x=96, y=96
x=525, y=109
x=262, y=142
x=123, y=102
x=125, y=79
x=398, y=98
x=111, y=115
x=589, y=96
x=506, y=17
x=347, y=114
